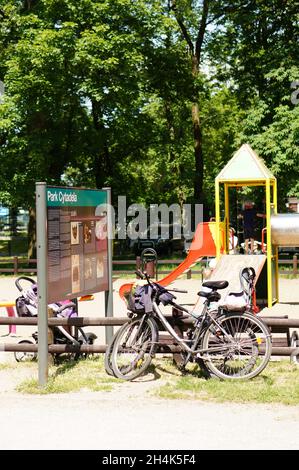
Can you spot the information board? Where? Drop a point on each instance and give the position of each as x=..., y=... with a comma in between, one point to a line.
x=77, y=244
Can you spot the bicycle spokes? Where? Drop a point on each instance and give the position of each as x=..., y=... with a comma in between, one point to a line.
x=237, y=346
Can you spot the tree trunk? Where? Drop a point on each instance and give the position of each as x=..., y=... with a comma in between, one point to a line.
x=198, y=154
x=195, y=51
x=197, y=135
x=102, y=161
x=32, y=234
x=13, y=221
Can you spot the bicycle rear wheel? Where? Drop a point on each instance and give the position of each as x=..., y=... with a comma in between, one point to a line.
x=242, y=346
x=134, y=348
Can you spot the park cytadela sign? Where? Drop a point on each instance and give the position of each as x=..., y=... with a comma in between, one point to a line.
x=60, y=196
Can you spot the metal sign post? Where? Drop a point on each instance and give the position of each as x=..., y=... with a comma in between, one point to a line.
x=109, y=293
x=41, y=239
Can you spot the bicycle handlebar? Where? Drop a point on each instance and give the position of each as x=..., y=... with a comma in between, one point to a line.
x=178, y=290
x=144, y=275
x=139, y=274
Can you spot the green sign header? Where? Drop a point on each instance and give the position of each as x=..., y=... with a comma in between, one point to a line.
x=63, y=197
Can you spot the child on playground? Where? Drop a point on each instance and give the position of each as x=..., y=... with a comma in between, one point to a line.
x=249, y=215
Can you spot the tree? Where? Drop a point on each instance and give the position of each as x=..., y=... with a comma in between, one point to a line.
x=256, y=51
x=73, y=73
x=193, y=28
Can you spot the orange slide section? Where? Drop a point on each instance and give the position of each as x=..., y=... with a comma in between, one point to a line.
x=203, y=244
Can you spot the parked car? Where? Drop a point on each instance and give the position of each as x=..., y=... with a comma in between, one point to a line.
x=160, y=238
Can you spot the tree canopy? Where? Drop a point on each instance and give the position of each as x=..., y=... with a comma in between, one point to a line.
x=149, y=97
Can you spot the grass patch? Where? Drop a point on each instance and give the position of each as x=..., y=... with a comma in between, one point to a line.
x=7, y=365
x=73, y=376
x=278, y=383
x=288, y=275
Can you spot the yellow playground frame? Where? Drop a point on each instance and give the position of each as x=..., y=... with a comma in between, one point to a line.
x=247, y=169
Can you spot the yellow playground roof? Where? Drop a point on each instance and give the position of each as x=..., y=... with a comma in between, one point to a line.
x=245, y=166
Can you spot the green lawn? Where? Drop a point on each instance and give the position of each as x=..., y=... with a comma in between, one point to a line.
x=278, y=383
x=72, y=376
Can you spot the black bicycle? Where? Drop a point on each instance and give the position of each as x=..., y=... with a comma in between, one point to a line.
x=228, y=344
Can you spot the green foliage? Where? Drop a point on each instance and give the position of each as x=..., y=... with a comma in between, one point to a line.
x=222, y=120
x=100, y=93
x=277, y=143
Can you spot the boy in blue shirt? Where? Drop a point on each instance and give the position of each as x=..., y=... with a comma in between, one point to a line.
x=249, y=215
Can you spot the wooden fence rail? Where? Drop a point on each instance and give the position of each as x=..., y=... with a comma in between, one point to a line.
x=280, y=346
x=20, y=265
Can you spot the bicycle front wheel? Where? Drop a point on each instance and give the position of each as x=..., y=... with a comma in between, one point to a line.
x=134, y=348
x=239, y=347
x=109, y=350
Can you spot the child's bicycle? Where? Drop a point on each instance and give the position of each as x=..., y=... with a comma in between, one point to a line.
x=228, y=344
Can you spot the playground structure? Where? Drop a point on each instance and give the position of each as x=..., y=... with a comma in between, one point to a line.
x=245, y=169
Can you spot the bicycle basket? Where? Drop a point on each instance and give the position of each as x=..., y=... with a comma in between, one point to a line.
x=140, y=299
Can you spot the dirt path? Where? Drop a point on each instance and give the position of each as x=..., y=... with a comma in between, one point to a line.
x=106, y=420
x=130, y=418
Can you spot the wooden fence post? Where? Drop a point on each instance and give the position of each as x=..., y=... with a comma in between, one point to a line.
x=15, y=265
x=295, y=264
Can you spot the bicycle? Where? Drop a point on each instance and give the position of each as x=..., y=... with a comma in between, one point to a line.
x=229, y=345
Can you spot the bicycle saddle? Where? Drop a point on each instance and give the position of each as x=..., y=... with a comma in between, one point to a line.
x=215, y=285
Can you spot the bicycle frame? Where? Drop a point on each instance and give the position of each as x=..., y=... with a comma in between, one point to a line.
x=200, y=321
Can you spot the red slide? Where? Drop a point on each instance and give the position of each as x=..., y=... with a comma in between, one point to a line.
x=203, y=244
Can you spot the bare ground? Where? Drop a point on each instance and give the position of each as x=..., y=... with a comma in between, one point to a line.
x=130, y=418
